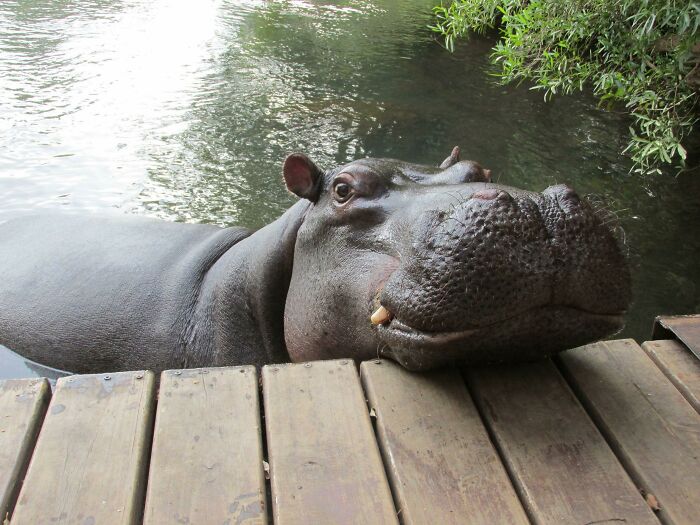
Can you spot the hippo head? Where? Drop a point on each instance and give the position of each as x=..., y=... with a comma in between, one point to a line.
x=429, y=265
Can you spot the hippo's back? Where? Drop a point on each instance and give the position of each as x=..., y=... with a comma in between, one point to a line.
x=107, y=288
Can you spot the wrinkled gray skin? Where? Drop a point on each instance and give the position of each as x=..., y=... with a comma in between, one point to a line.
x=470, y=271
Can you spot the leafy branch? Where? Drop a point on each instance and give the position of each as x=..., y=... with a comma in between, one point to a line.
x=643, y=54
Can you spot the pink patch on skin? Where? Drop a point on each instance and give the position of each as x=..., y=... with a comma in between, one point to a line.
x=381, y=274
x=486, y=195
x=297, y=175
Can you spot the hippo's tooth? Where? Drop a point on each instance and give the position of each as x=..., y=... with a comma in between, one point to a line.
x=381, y=316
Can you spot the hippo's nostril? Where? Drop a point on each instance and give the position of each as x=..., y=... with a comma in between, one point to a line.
x=569, y=196
x=563, y=194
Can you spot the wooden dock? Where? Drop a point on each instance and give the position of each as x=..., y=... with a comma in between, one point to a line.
x=606, y=433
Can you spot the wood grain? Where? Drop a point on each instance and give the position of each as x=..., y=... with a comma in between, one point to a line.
x=561, y=465
x=680, y=367
x=441, y=463
x=90, y=459
x=23, y=404
x=207, y=461
x=652, y=428
x=325, y=465
x=685, y=327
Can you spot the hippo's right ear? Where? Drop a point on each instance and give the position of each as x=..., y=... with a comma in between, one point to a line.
x=451, y=160
x=302, y=176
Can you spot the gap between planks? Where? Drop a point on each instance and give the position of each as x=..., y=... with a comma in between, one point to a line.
x=89, y=463
x=23, y=404
x=679, y=365
x=325, y=465
x=647, y=422
x=375, y=433
x=439, y=459
x=559, y=463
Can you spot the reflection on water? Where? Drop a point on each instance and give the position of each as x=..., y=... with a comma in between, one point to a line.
x=13, y=365
x=184, y=110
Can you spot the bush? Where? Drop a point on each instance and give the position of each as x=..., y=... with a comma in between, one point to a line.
x=644, y=54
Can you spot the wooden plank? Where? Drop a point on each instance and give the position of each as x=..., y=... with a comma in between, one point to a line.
x=23, y=404
x=652, y=428
x=559, y=462
x=209, y=419
x=679, y=366
x=90, y=459
x=325, y=465
x=440, y=461
x=685, y=327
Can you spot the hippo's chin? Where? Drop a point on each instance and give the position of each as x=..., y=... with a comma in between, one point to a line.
x=531, y=335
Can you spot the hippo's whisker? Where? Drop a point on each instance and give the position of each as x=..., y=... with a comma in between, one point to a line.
x=623, y=236
x=452, y=217
x=458, y=197
x=380, y=347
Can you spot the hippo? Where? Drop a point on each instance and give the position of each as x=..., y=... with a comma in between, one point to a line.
x=424, y=265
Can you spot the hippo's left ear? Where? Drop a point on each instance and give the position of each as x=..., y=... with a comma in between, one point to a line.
x=302, y=176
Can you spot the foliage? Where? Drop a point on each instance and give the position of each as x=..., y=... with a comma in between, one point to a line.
x=644, y=54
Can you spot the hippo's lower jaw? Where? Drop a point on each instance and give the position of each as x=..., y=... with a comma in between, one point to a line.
x=562, y=327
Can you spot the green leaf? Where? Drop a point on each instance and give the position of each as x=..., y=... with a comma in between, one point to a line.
x=559, y=46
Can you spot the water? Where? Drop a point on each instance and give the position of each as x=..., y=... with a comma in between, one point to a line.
x=185, y=110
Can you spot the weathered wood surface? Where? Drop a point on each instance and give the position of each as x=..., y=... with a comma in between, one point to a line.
x=685, y=327
x=325, y=465
x=680, y=367
x=440, y=461
x=527, y=448
x=561, y=465
x=650, y=425
x=207, y=461
x=90, y=458
x=23, y=403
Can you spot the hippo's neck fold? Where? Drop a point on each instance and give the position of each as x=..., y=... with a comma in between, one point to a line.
x=245, y=293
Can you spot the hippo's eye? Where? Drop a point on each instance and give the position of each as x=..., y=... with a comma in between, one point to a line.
x=342, y=191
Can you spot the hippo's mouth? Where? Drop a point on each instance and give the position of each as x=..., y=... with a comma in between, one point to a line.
x=530, y=334
x=401, y=330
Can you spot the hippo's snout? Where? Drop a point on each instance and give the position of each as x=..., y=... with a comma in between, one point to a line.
x=496, y=263
x=427, y=265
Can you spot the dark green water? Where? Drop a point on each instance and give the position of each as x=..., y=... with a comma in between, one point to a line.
x=185, y=111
